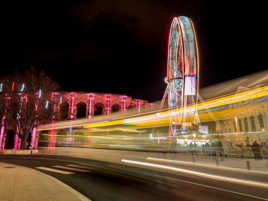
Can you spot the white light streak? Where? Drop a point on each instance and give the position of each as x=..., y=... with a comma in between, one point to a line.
x=199, y=174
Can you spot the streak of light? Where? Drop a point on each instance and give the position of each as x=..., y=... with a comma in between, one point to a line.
x=207, y=166
x=71, y=168
x=54, y=170
x=199, y=174
x=162, y=118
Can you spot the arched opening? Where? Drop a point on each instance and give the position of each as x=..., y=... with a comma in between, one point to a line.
x=115, y=108
x=131, y=106
x=81, y=110
x=10, y=137
x=98, y=109
x=64, y=108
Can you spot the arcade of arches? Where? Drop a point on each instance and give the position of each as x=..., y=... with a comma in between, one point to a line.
x=73, y=105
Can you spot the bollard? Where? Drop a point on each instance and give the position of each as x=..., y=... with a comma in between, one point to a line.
x=248, y=165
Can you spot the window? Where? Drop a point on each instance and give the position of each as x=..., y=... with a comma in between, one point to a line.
x=260, y=121
x=246, y=124
x=252, y=122
x=240, y=125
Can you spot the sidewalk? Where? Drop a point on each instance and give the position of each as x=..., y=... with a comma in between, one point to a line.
x=260, y=165
x=24, y=184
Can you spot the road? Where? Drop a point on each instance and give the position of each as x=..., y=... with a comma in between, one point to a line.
x=105, y=181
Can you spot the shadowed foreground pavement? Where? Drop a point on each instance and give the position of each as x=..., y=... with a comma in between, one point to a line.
x=18, y=183
x=102, y=181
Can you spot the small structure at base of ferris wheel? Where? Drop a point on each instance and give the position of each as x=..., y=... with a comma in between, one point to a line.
x=182, y=77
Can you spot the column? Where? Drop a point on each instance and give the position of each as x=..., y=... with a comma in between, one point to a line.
x=123, y=101
x=138, y=105
x=2, y=132
x=17, y=140
x=107, y=105
x=54, y=98
x=4, y=122
x=72, y=106
x=33, y=140
x=52, y=138
x=34, y=137
x=151, y=106
x=249, y=123
x=265, y=118
x=90, y=105
x=257, y=124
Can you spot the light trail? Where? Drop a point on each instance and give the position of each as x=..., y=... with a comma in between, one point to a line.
x=162, y=118
x=206, y=176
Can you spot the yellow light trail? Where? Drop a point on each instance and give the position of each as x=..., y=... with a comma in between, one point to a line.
x=162, y=118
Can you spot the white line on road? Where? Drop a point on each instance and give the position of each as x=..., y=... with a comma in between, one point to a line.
x=54, y=170
x=204, y=175
x=80, y=166
x=71, y=168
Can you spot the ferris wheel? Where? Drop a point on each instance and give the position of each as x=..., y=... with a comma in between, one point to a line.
x=182, y=69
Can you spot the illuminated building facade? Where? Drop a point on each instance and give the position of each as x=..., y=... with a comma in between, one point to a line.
x=61, y=106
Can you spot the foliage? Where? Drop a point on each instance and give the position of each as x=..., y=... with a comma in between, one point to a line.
x=25, y=111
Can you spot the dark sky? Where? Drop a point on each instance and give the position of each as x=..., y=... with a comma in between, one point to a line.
x=120, y=46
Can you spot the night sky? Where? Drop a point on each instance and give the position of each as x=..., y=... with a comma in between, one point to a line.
x=120, y=46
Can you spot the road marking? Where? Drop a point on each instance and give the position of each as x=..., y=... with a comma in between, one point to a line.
x=208, y=166
x=54, y=170
x=80, y=166
x=71, y=168
x=239, y=181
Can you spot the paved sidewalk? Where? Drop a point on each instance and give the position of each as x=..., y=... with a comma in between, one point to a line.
x=19, y=183
x=260, y=165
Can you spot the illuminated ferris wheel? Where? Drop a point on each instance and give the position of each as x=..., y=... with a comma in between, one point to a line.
x=182, y=67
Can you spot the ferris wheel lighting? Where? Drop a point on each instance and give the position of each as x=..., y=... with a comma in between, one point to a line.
x=182, y=69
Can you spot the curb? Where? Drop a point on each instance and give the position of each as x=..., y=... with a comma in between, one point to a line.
x=68, y=188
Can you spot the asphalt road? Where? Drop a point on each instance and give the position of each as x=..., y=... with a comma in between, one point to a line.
x=103, y=181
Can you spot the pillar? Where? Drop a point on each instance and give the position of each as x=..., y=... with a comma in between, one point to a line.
x=90, y=105
x=72, y=109
x=34, y=137
x=107, y=105
x=265, y=118
x=55, y=108
x=17, y=140
x=34, y=130
x=138, y=105
x=123, y=101
x=2, y=132
x=151, y=107
x=54, y=100
x=4, y=122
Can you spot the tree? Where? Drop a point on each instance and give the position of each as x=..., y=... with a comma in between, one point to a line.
x=30, y=101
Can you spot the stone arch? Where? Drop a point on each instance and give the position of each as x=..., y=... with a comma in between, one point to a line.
x=115, y=107
x=131, y=106
x=81, y=110
x=64, y=110
x=98, y=109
